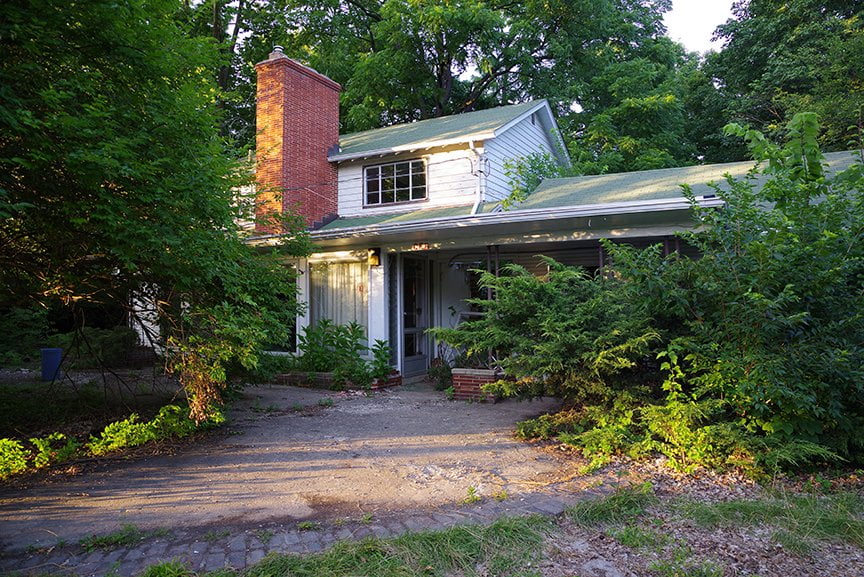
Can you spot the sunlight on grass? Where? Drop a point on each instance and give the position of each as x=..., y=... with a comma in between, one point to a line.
x=622, y=505
x=799, y=519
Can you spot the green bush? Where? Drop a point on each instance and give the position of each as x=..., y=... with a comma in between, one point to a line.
x=23, y=332
x=752, y=355
x=49, y=451
x=91, y=347
x=13, y=458
x=339, y=349
x=171, y=421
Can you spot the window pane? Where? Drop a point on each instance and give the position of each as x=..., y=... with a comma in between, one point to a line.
x=395, y=182
x=339, y=292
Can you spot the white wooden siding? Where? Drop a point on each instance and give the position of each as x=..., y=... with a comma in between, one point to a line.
x=448, y=174
x=519, y=141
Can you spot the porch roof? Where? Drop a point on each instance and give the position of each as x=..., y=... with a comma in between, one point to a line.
x=620, y=189
x=647, y=203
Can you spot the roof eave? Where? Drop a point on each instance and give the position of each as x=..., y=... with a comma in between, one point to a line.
x=414, y=146
x=525, y=215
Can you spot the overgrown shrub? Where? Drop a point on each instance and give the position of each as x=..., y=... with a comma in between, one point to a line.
x=91, y=347
x=23, y=332
x=327, y=347
x=752, y=355
x=55, y=448
x=171, y=421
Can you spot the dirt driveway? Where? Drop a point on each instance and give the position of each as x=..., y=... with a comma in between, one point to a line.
x=288, y=454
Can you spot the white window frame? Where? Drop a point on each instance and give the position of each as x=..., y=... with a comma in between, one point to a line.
x=378, y=174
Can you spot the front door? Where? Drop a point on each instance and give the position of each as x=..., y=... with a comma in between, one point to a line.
x=415, y=315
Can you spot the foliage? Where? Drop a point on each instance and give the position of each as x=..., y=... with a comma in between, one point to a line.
x=634, y=115
x=172, y=421
x=340, y=349
x=168, y=569
x=573, y=336
x=639, y=538
x=504, y=548
x=524, y=174
x=47, y=450
x=785, y=57
x=90, y=347
x=405, y=60
x=23, y=331
x=13, y=457
x=749, y=356
x=127, y=535
x=441, y=373
x=797, y=519
x=270, y=365
x=117, y=185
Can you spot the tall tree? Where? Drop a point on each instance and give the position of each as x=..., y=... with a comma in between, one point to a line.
x=114, y=181
x=786, y=56
x=634, y=115
x=404, y=60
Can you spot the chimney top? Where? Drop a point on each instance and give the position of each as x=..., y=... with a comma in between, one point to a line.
x=277, y=53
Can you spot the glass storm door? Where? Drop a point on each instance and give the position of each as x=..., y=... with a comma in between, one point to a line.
x=415, y=315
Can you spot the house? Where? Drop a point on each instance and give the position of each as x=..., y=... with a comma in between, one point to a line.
x=402, y=215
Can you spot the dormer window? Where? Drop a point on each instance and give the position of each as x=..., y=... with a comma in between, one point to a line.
x=394, y=182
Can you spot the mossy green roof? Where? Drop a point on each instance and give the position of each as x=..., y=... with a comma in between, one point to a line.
x=647, y=185
x=435, y=131
x=392, y=218
x=626, y=187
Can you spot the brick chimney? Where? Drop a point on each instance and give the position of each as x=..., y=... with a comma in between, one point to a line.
x=298, y=123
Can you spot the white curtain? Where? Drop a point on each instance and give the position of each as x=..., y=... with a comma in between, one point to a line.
x=339, y=291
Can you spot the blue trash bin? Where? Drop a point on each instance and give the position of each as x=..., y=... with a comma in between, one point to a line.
x=51, y=363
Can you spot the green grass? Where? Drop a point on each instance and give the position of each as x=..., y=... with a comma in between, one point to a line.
x=798, y=520
x=264, y=535
x=127, y=535
x=502, y=548
x=623, y=505
x=638, y=538
x=168, y=569
x=215, y=535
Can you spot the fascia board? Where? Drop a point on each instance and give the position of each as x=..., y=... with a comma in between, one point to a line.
x=423, y=145
x=530, y=215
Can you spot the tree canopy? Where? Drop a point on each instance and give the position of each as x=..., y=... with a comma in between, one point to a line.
x=114, y=181
x=785, y=57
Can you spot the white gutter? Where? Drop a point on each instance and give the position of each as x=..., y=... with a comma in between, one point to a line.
x=526, y=215
x=410, y=147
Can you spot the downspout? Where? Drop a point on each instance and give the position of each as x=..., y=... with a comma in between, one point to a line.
x=478, y=172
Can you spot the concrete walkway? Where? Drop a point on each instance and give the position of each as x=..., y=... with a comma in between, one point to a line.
x=340, y=466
